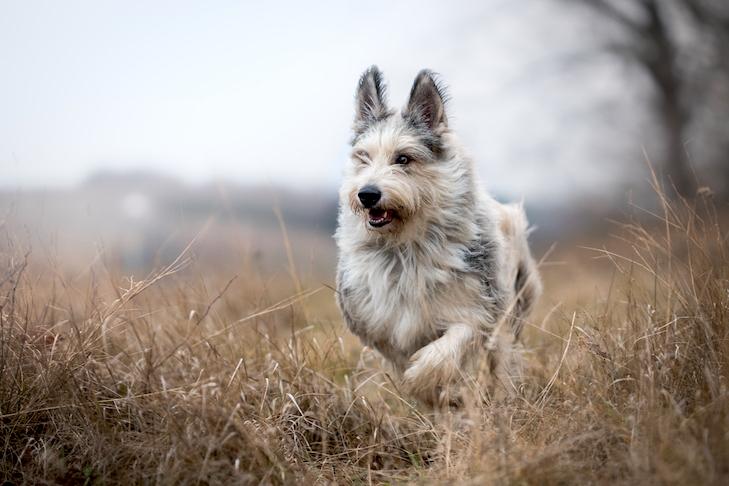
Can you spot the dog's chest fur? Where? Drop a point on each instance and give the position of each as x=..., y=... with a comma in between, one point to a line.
x=399, y=298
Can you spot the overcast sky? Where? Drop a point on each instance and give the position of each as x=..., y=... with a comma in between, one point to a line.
x=251, y=92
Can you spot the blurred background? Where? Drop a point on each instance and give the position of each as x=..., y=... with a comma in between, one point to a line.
x=135, y=127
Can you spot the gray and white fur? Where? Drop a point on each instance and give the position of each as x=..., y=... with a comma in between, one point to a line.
x=433, y=273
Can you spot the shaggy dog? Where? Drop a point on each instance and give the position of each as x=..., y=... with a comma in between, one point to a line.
x=433, y=273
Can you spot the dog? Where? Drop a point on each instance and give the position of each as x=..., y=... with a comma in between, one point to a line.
x=433, y=273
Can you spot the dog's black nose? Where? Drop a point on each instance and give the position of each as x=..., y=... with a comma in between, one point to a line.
x=369, y=195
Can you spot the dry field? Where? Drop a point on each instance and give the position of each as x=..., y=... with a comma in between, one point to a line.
x=214, y=370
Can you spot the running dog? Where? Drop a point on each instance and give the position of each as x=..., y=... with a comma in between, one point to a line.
x=433, y=273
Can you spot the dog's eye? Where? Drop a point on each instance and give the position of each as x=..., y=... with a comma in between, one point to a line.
x=403, y=160
x=362, y=156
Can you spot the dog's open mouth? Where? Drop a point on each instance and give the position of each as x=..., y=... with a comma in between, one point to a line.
x=380, y=217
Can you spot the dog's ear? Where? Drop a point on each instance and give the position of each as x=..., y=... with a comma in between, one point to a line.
x=371, y=99
x=426, y=105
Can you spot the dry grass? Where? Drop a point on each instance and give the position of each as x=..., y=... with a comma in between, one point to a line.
x=186, y=378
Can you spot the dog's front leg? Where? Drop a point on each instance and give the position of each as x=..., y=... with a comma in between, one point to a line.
x=438, y=364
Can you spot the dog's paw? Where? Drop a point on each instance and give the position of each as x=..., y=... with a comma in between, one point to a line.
x=429, y=375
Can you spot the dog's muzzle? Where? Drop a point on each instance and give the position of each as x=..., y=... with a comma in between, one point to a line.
x=370, y=196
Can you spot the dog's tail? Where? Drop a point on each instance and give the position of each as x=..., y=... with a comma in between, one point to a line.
x=521, y=269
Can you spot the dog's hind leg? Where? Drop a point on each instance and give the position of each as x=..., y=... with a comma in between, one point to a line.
x=521, y=269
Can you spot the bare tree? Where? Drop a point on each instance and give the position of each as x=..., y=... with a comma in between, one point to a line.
x=683, y=47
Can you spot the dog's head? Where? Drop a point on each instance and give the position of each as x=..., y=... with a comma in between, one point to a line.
x=395, y=177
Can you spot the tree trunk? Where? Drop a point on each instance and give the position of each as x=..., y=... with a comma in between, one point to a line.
x=677, y=167
x=662, y=67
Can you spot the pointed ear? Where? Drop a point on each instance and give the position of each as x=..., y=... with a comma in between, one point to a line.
x=371, y=99
x=426, y=105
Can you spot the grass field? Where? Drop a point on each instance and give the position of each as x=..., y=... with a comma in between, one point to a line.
x=215, y=370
